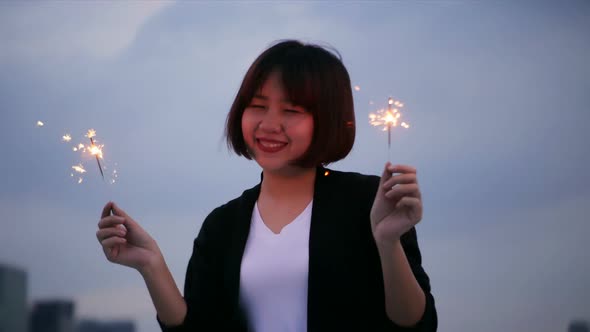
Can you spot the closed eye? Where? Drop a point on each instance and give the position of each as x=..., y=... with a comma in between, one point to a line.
x=295, y=109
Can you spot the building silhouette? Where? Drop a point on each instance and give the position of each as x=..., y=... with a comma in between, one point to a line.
x=46, y=315
x=13, y=299
x=578, y=326
x=53, y=316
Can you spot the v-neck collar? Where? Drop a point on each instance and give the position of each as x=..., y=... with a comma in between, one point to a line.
x=319, y=253
x=264, y=229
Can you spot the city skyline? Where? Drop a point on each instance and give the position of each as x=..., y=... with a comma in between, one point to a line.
x=19, y=314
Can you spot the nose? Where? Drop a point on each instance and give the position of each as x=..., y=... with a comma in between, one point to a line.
x=271, y=122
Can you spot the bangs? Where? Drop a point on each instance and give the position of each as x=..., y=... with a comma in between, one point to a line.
x=301, y=81
x=302, y=71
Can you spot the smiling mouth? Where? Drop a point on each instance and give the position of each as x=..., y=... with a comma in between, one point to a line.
x=270, y=146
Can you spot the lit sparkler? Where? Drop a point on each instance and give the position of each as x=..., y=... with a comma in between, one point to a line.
x=388, y=118
x=95, y=150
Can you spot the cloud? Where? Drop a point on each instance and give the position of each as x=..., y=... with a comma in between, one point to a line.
x=35, y=30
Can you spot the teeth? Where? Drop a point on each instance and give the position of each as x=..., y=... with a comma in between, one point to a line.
x=271, y=145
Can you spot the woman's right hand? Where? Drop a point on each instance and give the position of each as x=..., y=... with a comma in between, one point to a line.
x=124, y=241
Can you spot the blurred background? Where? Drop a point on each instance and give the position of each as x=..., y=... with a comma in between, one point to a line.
x=496, y=95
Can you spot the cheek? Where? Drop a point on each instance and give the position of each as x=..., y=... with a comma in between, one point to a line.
x=306, y=131
x=247, y=127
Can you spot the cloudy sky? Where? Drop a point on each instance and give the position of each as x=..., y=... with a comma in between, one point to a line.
x=496, y=94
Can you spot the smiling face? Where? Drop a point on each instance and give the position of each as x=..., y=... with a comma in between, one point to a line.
x=276, y=131
x=294, y=108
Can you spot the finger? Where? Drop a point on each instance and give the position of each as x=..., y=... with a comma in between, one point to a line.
x=386, y=174
x=414, y=205
x=112, y=246
x=118, y=211
x=104, y=233
x=106, y=211
x=402, y=190
x=400, y=179
x=129, y=223
x=112, y=241
x=110, y=221
x=401, y=169
x=112, y=253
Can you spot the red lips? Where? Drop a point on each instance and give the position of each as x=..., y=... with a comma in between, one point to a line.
x=269, y=145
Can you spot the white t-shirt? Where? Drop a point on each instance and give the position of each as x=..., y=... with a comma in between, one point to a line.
x=273, y=278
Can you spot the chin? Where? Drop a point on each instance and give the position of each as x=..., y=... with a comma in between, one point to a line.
x=282, y=168
x=274, y=167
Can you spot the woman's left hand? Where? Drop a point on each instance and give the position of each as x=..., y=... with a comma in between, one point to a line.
x=397, y=206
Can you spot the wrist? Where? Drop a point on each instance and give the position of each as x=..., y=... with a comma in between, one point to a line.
x=153, y=265
x=387, y=248
x=384, y=239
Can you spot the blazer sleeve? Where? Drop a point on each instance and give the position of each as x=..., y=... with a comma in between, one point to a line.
x=429, y=320
x=202, y=287
x=409, y=241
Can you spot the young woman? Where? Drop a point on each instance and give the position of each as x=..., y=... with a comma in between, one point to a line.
x=307, y=249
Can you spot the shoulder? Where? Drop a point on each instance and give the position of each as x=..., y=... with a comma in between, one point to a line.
x=223, y=216
x=349, y=189
x=354, y=181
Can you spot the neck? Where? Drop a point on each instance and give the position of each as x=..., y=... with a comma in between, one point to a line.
x=296, y=185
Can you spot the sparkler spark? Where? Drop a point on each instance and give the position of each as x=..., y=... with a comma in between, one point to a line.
x=79, y=168
x=388, y=118
x=115, y=176
x=79, y=147
x=96, y=150
x=66, y=138
x=40, y=124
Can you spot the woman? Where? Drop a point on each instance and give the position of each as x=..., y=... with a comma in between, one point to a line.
x=307, y=249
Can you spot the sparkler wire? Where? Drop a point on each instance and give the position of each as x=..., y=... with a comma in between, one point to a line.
x=97, y=160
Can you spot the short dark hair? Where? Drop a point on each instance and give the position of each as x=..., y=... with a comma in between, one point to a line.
x=313, y=78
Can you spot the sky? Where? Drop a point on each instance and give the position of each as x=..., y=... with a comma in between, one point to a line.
x=496, y=94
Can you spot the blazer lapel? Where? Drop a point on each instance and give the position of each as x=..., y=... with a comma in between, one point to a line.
x=236, y=245
x=334, y=260
x=320, y=272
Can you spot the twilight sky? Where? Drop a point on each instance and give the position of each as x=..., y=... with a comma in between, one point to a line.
x=496, y=94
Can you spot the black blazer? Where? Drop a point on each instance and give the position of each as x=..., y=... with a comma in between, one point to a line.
x=345, y=283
